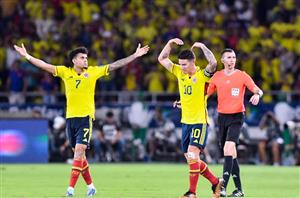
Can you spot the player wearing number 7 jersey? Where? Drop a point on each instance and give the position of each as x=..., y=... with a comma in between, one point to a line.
x=192, y=83
x=80, y=81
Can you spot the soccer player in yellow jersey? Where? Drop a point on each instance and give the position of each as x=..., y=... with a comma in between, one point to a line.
x=80, y=81
x=192, y=83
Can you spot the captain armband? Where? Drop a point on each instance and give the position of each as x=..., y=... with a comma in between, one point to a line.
x=208, y=74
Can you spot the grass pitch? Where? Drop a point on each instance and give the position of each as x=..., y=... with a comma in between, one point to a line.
x=141, y=181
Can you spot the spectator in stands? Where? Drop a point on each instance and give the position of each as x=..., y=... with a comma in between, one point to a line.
x=63, y=22
x=271, y=126
x=59, y=151
x=49, y=87
x=163, y=141
x=108, y=140
x=287, y=154
x=139, y=119
x=154, y=80
x=16, y=84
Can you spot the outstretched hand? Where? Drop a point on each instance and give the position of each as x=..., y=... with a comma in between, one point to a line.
x=21, y=50
x=177, y=41
x=197, y=44
x=141, y=51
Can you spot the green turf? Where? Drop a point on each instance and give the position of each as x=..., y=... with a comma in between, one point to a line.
x=141, y=180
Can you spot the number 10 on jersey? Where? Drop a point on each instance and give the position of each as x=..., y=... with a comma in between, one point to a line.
x=188, y=89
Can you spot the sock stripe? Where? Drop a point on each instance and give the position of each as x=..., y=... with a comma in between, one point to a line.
x=195, y=171
x=85, y=167
x=204, y=169
x=77, y=168
x=192, y=162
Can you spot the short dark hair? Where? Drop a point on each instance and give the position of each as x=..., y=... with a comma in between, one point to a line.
x=76, y=51
x=109, y=114
x=226, y=50
x=186, y=54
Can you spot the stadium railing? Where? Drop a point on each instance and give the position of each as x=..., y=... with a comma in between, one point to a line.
x=127, y=97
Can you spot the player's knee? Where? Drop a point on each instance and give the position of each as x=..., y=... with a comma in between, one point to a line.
x=229, y=150
x=192, y=156
x=79, y=152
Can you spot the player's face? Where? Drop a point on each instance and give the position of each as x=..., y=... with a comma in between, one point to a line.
x=81, y=60
x=186, y=65
x=229, y=60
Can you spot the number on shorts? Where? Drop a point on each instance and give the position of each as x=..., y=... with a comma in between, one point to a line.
x=86, y=131
x=197, y=133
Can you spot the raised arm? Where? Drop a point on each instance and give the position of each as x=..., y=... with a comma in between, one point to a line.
x=120, y=63
x=163, y=57
x=37, y=62
x=212, y=62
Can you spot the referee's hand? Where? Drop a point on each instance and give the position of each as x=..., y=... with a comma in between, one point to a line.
x=254, y=99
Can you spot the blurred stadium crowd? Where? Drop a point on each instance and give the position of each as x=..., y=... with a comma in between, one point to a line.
x=265, y=34
x=140, y=134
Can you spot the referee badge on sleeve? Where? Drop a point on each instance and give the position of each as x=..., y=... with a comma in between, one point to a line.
x=235, y=91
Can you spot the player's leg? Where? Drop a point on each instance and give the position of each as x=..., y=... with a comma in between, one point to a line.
x=74, y=172
x=197, y=142
x=79, y=153
x=84, y=135
x=193, y=167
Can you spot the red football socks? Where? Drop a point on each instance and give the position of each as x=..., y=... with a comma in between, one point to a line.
x=194, y=175
x=204, y=170
x=76, y=170
x=86, y=173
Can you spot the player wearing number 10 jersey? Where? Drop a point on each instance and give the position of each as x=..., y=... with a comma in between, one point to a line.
x=80, y=81
x=192, y=82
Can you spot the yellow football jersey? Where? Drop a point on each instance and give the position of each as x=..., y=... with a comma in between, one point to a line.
x=80, y=89
x=193, y=96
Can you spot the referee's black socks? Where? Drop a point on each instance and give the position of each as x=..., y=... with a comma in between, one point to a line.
x=236, y=174
x=227, y=168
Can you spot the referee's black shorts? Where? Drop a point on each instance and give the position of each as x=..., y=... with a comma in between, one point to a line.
x=230, y=127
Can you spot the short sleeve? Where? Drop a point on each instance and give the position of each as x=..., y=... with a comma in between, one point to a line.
x=101, y=70
x=60, y=71
x=175, y=70
x=211, y=87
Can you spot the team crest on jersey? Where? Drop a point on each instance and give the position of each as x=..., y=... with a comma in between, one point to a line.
x=86, y=75
x=194, y=80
